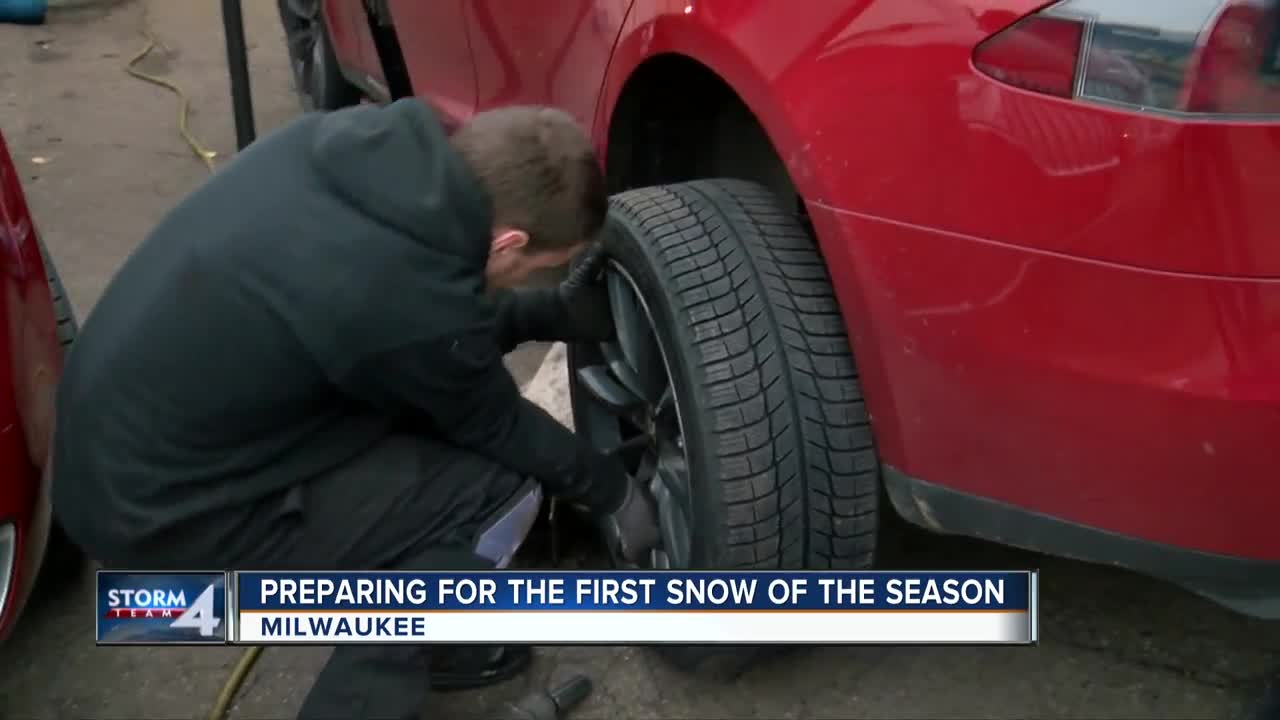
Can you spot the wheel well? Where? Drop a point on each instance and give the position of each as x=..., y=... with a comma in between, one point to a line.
x=677, y=120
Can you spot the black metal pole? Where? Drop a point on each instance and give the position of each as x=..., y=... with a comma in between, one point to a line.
x=238, y=70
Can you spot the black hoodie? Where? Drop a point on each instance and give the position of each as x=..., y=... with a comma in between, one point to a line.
x=326, y=282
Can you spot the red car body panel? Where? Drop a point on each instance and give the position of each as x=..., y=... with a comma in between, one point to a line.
x=1067, y=308
x=30, y=364
x=1128, y=400
x=446, y=68
x=558, y=56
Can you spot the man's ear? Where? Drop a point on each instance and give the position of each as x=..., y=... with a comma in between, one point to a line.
x=508, y=239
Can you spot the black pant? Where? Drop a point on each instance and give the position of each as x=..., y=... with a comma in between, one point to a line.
x=409, y=503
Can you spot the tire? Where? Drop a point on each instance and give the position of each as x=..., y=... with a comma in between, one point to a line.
x=782, y=467
x=317, y=75
x=63, y=560
x=68, y=327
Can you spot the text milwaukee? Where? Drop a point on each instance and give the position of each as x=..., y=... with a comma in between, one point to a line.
x=360, y=626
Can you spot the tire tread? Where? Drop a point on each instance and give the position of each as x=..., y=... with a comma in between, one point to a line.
x=790, y=433
x=63, y=312
x=62, y=560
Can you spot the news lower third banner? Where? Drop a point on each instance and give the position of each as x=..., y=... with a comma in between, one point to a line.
x=568, y=608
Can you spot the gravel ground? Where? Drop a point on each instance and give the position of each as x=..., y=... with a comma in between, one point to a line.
x=102, y=160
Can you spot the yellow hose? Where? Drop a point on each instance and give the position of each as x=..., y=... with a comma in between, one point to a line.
x=240, y=672
x=206, y=155
x=237, y=677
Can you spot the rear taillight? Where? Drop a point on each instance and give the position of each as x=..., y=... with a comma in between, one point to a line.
x=1200, y=57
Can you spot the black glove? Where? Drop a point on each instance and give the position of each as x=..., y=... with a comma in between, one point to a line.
x=576, y=310
x=585, y=298
x=632, y=529
x=624, y=513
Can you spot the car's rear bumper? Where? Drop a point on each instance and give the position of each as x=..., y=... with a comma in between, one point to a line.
x=1135, y=402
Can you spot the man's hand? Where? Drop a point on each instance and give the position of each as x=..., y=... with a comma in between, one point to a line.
x=633, y=528
x=586, y=299
x=614, y=499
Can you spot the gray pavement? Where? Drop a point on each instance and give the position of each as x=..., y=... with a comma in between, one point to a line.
x=102, y=159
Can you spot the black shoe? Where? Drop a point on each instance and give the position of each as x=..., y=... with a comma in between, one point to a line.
x=464, y=667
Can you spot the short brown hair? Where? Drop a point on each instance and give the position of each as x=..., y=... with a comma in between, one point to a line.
x=538, y=167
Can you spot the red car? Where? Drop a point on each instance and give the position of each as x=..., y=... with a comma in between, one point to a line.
x=1010, y=268
x=36, y=328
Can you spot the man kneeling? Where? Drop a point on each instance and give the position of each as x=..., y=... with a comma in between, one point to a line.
x=301, y=368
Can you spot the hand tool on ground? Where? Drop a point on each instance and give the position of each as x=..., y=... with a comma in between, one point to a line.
x=549, y=704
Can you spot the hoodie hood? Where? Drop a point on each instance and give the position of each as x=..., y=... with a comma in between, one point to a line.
x=395, y=164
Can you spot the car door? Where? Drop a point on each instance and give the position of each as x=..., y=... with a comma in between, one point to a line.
x=549, y=52
x=437, y=55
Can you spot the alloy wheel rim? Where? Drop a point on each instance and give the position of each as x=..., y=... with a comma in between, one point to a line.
x=631, y=403
x=317, y=78
x=303, y=36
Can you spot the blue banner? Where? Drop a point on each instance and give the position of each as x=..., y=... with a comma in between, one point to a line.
x=148, y=608
x=633, y=591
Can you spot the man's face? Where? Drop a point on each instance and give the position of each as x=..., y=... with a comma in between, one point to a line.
x=511, y=262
